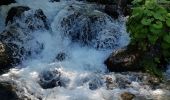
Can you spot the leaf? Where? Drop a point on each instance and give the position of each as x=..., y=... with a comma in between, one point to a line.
x=167, y=38
x=157, y=60
x=168, y=22
x=159, y=16
x=146, y=21
x=154, y=30
x=152, y=39
x=136, y=1
x=165, y=45
x=158, y=25
x=168, y=15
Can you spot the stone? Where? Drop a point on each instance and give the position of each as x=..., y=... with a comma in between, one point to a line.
x=50, y=79
x=127, y=96
x=54, y=0
x=6, y=2
x=88, y=27
x=15, y=12
x=7, y=56
x=112, y=10
x=7, y=92
x=123, y=60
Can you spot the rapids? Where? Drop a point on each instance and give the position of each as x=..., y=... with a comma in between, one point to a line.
x=73, y=66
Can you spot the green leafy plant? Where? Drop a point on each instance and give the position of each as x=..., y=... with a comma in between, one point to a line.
x=149, y=26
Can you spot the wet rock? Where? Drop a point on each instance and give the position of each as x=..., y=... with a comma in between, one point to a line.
x=95, y=84
x=7, y=2
x=15, y=12
x=40, y=17
x=61, y=56
x=88, y=27
x=8, y=56
x=7, y=92
x=50, y=79
x=122, y=82
x=31, y=19
x=54, y=0
x=103, y=1
x=110, y=84
x=112, y=11
x=123, y=60
x=127, y=96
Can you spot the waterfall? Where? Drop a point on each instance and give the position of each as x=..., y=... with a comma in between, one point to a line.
x=66, y=60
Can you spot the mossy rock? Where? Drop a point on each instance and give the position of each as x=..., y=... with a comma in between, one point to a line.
x=7, y=92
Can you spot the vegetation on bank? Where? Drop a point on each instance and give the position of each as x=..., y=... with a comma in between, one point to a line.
x=149, y=27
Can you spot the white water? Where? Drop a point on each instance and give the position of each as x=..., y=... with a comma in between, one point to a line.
x=82, y=66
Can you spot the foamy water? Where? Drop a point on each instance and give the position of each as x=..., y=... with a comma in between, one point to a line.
x=82, y=72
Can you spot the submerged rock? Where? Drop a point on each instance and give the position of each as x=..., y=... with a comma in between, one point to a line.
x=6, y=2
x=61, y=56
x=87, y=27
x=51, y=79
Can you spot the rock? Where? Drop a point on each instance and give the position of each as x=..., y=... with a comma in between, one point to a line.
x=40, y=17
x=112, y=10
x=6, y=2
x=7, y=56
x=95, y=84
x=110, y=84
x=50, y=79
x=54, y=0
x=61, y=56
x=33, y=19
x=103, y=1
x=88, y=27
x=127, y=96
x=122, y=61
x=7, y=92
x=15, y=12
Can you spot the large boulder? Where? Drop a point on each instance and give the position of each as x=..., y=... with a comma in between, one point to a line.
x=15, y=12
x=15, y=40
x=87, y=26
x=33, y=19
x=124, y=60
x=6, y=2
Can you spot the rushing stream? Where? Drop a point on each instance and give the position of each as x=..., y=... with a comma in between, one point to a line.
x=65, y=62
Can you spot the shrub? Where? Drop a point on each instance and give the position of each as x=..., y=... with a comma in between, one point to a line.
x=149, y=27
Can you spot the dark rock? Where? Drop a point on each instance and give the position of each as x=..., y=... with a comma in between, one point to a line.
x=50, y=79
x=33, y=20
x=103, y=1
x=15, y=12
x=7, y=92
x=39, y=14
x=54, y=0
x=8, y=56
x=125, y=60
x=127, y=96
x=95, y=84
x=112, y=10
x=88, y=27
x=6, y=2
x=61, y=56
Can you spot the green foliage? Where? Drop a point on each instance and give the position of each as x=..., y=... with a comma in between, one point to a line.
x=149, y=26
